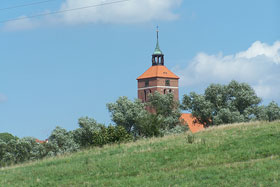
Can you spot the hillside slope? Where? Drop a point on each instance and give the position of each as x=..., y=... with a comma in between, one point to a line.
x=233, y=155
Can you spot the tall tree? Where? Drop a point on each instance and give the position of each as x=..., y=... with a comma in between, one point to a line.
x=273, y=111
x=221, y=104
x=127, y=113
x=166, y=108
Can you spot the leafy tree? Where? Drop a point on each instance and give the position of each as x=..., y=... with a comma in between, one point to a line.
x=61, y=141
x=28, y=149
x=201, y=108
x=166, y=109
x=6, y=137
x=221, y=104
x=133, y=116
x=3, y=147
x=150, y=125
x=109, y=135
x=270, y=112
x=10, y=153
x=127, y=113
x=273, y=111
x=118, y=134
x=84, y=135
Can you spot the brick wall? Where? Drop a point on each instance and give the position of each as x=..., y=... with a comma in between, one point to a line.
x=144, y=89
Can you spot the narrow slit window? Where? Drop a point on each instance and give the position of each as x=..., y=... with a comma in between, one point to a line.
x=146, y=83
x=167, y=82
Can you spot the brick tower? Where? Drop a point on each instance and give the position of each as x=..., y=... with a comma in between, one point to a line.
x=157, y=78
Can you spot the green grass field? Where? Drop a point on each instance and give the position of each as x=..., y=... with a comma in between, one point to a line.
x=233, y=155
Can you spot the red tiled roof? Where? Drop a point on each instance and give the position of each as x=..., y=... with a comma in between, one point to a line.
x=193, y=123
x=42, y=141
x=158, y=71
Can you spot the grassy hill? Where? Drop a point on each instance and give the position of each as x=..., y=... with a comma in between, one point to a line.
x=233, y=155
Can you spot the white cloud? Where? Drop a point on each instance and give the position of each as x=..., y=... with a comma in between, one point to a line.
x=259, y=66
x=134, y=11
x=127, y=12
x=2, y=98
x=22, y=24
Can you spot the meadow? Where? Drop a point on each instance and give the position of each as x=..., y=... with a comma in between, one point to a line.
x=245, y=154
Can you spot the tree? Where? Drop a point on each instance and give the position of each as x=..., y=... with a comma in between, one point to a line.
x=133, y=116
x=222, y=104
x=84, y=135
x=110, y=135
x=201, y=108
x=150, y=125
x=60, y=142
x=273, y=111
x=3, y=147
x=127, y=113
x=166, y=108
x=6, y=137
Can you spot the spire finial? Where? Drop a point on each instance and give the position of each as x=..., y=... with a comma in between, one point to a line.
x=157, y=50
x=157, y=33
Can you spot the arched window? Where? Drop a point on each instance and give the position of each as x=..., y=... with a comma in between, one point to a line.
x=146, y=94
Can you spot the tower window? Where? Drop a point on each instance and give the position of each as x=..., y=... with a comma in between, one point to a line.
x=146, y=83
x=167, y=82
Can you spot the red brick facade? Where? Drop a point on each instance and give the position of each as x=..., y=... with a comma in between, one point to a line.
x=161, y=85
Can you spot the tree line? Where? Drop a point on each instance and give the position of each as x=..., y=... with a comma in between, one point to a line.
x=232, y=103
x=219, y=104
x=132, y=121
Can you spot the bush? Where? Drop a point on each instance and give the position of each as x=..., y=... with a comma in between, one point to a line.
x=176, y=130
x=6, y=137
x=273, y=111
x=60, y=142
x=150, y=125
x=21, y=150
x=110, y=135
x=84, y=135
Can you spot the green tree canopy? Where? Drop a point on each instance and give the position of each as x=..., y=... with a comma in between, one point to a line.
x=134, y=117
x=273, y=111
x=84, y=135
x=270, y=112
x=127, y=113
x=6, y=137
x=166, y=108
x=221, y=104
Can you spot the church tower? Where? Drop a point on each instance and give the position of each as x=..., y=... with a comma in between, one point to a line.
x=157, y=78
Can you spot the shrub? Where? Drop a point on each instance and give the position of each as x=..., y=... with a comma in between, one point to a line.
x=176, y=130
x=60, y=142
x=6, y=137
x=109, y=135
x=273, y=111
x=150, y=125
x=84, y=135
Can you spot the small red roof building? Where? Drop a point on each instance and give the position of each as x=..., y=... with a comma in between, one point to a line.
x=42, y=141
x=192, y=122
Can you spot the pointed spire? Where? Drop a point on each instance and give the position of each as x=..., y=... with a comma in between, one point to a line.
x=157, y=49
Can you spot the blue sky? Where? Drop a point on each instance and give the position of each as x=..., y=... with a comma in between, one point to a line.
x=57, y=68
